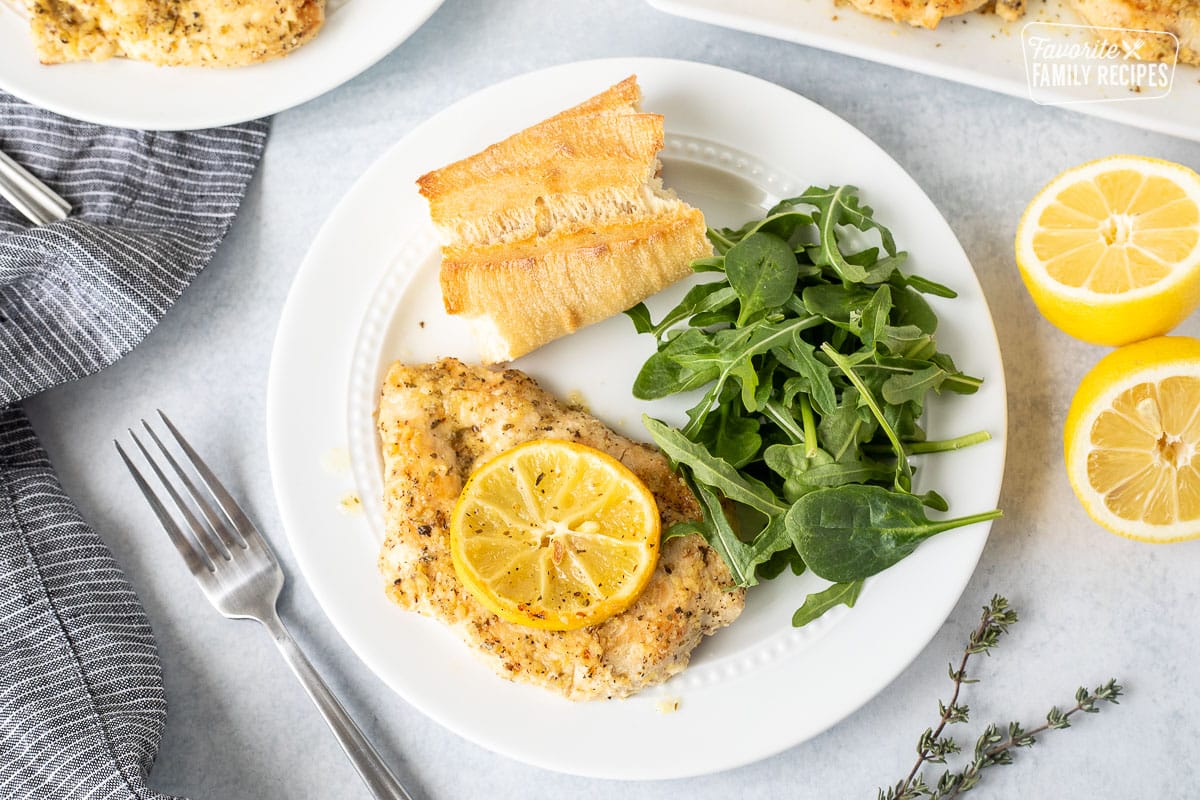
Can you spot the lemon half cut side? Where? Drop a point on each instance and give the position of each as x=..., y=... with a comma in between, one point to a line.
x=1132, y=440
x=1110, y=250
x=555, y=535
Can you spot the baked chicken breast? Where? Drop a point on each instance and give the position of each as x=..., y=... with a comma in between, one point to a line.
x=1178, y=17
x=211, y=33
x=928, y=13
x=436, y=423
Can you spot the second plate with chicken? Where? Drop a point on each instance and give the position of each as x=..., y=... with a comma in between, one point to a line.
x=368, y=295
x=262, y=56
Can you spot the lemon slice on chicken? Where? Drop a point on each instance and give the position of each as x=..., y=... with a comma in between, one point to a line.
x=554, y=535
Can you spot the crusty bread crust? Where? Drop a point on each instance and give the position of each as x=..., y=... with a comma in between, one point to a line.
x=500, y=194
x=211, y=33
x=532, y=294
x=561, y=225
x=532, y=144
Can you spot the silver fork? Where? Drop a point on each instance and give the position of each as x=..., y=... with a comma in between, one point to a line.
x=239, y=574
x=37, y=201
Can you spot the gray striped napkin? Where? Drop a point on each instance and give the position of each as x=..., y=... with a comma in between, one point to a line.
x=81, y=694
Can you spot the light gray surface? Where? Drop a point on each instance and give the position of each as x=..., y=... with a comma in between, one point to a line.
x=1092, y=605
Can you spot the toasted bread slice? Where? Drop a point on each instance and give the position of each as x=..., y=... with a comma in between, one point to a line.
x=561, y=225
x=503, y=193
x=520, y=296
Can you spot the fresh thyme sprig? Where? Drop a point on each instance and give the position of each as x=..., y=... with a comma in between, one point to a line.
x=993, y=624
x=993, y=748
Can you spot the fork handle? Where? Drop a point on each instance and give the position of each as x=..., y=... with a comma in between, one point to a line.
x=363, y=756
x=34, y=199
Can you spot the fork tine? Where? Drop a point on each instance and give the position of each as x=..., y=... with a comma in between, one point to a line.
x=199, y=533
x=196, y=560
x=233, y=512
x=226, y=535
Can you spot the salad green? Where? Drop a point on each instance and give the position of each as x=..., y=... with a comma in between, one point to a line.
x=813, y=360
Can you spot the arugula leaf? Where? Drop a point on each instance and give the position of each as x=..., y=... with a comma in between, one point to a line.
x=903, y=469
x=728, y=354
x=773, y=538
x=838, y=205
x=906, y=341
x=926, y=286
x=803, y=473
x=874, y=317
x=685, y=527
x=840, y=305
x=813, y=375
x=732, y=437
x=913, y=309
x=812, y=359
x=784, y=220
x=641, y=318
x=778, y=413
x=792, y=463
x=844, y=431
x=737, y=555
x=701, y=298
x=722, y=239
x=708, y=264
x=774, y=566
x=911, y=387
x=885, y=268
x=816, y=604
x=669, y=372
x=713, y=471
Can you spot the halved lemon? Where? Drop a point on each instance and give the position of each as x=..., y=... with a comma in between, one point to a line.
x=1132, y=440
x=1110, y=250
x=555, y=535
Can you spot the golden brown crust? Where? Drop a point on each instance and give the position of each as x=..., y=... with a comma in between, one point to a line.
x=216, y=33
x=921, y=13
x=437, y=422
x=559, y=165
x=620, y=98
x=560, y=225
x=536, y=291
x=530, y=145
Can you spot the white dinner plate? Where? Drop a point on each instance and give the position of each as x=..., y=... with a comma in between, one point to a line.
x=977, y=49
x=131, y=94
x=368, y=294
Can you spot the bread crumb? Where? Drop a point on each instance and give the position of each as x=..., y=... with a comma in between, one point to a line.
x=350, y=503
x=668, y=705
x=575, y=399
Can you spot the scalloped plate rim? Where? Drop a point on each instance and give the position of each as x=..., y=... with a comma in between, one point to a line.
x=614, y=739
